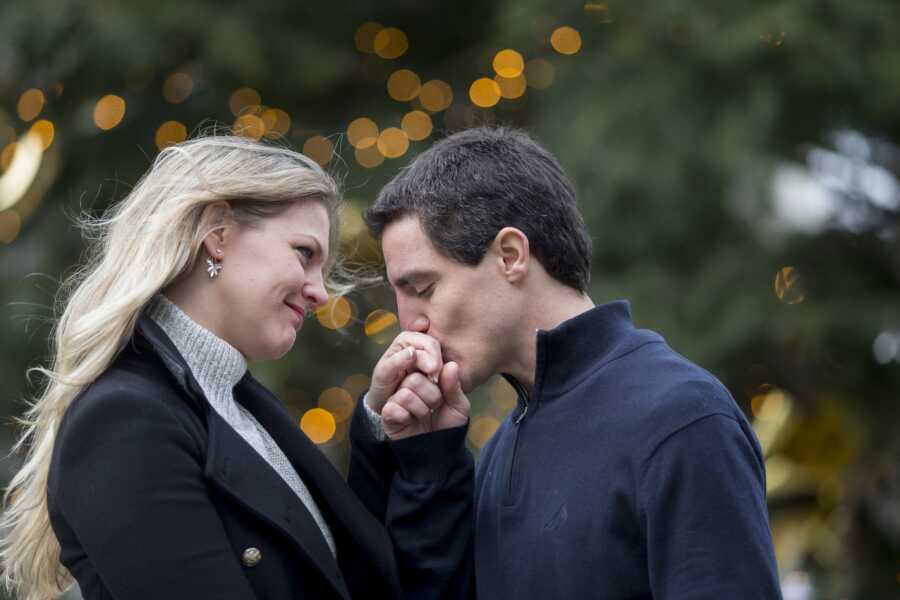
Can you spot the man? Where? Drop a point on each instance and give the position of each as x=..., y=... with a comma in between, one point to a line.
x=625, y=471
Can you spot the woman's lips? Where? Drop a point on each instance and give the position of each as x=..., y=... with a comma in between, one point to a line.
x=298, y=310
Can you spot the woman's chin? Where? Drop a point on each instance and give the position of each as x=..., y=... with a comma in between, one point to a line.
x=277, y=348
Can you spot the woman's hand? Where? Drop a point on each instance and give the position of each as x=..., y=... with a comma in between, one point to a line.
x=421, y=406
x=410, y=352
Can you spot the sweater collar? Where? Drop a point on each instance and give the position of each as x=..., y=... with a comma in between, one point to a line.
x=216, y=365
x=573, y=350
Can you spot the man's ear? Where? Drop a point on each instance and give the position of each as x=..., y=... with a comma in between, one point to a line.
x=513, y=254
x=217, y=224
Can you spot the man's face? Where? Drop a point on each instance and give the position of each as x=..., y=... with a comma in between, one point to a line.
x=469, y=310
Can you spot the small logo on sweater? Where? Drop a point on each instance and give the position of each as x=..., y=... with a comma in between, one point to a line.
x=561, y=516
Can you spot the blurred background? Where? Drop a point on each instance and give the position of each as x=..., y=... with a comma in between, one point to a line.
x=737, y=164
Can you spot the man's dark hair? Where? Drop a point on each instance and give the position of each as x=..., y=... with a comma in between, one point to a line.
x=470, y=185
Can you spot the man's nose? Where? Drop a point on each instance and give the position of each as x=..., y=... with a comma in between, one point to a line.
x=411, y=319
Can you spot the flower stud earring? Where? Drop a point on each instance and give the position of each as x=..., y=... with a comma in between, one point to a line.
x=213, y=267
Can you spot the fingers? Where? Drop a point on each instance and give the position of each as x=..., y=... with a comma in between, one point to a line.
x=410, y=351
x=411, y=403
x=425, y=363
x=430, y=360
x=420, y=405
x=423, y=388
x=451, y=389
x=388, y=373
x=405, y=414
x=396, y=420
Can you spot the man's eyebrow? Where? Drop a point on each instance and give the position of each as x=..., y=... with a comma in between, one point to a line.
x=411, y=277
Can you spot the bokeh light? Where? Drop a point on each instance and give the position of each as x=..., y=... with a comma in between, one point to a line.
x=393, y=143
x=319, y=148
x=170, y=132
x=503, y=396
x=45, y=130
x=484, y=92
x=789, y=286
x=382, y=326
x=598, y=11
x=6, y=156
x=352, y=223
x=368, y=157
x=403, y=85
x=886, y=346
x=178, y=87
x=30, y=104
x=566, y=40
x=25, y=161
x=436, y=95
x=242, y=99
x=508, y=63
x=482, y=429
x=511, y=88
x=365, y=37
x=356, y=384
x=336, y=313
x=318, y=424
x=769, y=405
x=540, y=73
x=362, y=133
x=390, y=43
x=249, y=126
x=10, y=225
x=276, y=121
x=775, y=40
x=109, y=112
x=417, y=125
x=338, y=402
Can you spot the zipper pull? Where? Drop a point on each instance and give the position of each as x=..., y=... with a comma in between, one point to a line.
x=524, y=412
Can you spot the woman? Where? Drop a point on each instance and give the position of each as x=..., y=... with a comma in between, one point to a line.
x=158, y=467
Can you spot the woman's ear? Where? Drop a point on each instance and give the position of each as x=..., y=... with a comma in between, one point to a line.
x=218, y=223
x=513, y=254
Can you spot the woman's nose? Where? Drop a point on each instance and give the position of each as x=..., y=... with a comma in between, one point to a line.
x=315, y=293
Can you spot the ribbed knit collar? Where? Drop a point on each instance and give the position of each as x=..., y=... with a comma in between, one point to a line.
x=216, y=365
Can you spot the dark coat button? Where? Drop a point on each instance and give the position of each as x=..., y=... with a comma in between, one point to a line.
x=251, y=557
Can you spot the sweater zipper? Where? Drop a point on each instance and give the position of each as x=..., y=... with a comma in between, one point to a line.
x=524, y=394
x=509, y=500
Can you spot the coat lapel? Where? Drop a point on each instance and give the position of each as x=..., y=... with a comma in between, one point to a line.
x=333, y=495
x=238, y=470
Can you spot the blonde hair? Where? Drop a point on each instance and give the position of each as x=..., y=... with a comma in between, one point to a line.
x=139, y=247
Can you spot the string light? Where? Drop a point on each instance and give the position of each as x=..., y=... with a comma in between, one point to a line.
x=109, y=112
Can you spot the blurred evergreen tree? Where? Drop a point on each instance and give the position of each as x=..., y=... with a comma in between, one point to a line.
x=693, y=133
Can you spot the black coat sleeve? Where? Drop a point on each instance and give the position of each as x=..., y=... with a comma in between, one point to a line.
x=423, y=487
x=372, y=464
x=130, y=487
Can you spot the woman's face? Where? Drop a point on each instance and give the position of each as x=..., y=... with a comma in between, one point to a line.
x=271, y=279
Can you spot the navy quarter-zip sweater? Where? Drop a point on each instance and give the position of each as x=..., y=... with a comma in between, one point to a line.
x=630, y=473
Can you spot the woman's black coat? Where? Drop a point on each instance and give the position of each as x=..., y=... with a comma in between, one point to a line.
x=153, y=495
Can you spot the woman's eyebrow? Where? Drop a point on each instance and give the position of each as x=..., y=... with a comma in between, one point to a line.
x=319, y=247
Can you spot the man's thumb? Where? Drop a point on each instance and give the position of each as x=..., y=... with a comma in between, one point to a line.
x=451, y=389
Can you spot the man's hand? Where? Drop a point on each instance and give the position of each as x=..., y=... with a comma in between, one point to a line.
x=421, y=406
x=410, y=352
